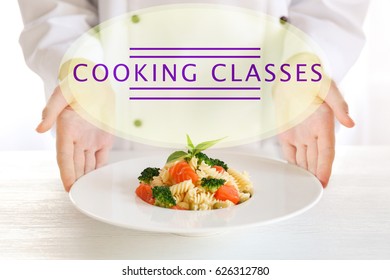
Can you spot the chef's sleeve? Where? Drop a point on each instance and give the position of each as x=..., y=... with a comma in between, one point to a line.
x=336, y=26
x=50, y=27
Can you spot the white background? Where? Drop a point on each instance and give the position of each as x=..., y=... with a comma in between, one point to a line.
x=366, y=87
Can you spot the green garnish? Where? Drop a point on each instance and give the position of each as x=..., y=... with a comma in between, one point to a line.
x=163, y=196
x=211, y=161
x=148, y=174
x=192, y=150
x=212, y=184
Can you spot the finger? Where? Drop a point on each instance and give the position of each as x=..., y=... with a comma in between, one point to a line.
x=340, y=108
x=65, y=161
x=326, y=152
x=312, y=157
x=90, y=161
x=101, y=157
x=79, y=161
x=53, y=108
x=289, y=153
x=301, y=156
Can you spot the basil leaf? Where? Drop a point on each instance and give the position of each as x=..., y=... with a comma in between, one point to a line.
x=189, y=143
x=205, y=145
x=176, y=155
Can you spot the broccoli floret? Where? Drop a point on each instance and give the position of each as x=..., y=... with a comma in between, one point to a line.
x=212, y=184
x=202, y=157
x=163, y=196
x=211, y=161
x=215, y=161
x=148, y=174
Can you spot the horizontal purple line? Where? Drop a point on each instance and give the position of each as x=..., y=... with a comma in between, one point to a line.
x=195, y=49
x=194, y=88
x=193, y=98
x=195, y=56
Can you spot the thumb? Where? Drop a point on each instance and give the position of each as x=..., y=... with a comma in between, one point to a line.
x=55, y=105
x=339, y=107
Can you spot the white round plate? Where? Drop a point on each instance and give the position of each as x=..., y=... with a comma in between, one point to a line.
x=281, y=191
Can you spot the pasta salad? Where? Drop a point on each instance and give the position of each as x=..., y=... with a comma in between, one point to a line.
x=193, y=181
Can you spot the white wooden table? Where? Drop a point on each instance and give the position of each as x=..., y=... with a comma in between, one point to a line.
x=352, y=221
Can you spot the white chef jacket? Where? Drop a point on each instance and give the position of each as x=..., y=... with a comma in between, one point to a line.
x=52, y=25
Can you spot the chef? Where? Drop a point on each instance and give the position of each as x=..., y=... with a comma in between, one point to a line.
x=50, y=27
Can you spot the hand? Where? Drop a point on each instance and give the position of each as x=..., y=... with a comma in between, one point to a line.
x=311, y=144
x=81, y=147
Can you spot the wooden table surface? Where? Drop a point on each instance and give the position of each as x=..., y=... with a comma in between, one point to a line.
x=352, y=220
